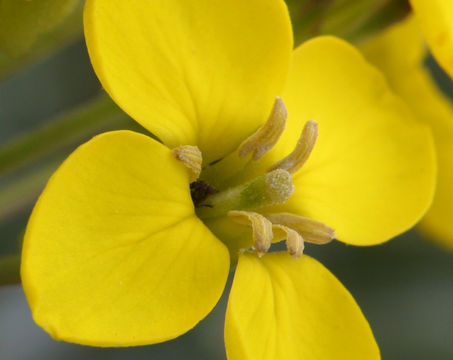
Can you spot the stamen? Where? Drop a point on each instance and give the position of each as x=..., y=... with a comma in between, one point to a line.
x=262, y=140
x=191, y=157
x=272, y=188
x=311, y=230
x=294, y=241
x=294, y=161
x=261, y=227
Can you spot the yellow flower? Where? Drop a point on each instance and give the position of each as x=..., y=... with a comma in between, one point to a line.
x=116, y=253
x=400, y=53
x=435, y=18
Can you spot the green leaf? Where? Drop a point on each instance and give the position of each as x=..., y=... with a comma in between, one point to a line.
x=10, y=269
x=22, y=22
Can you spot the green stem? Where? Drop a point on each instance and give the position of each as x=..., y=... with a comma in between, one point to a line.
x=97, y=115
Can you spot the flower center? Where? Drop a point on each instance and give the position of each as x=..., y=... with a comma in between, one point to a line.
x=244, y=203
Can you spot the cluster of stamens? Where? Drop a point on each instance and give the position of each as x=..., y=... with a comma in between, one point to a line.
x=240, y=203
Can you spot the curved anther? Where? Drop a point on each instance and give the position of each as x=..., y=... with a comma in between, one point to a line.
x=261, y=227
x=294, y=161
x=262, y=140
x=192, y=159
x=311, y=230
x=294, y=241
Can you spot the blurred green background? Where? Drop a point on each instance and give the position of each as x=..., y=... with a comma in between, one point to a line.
x=404, y=287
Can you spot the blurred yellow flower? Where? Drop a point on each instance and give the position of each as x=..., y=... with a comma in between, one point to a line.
x=129, y=244
x=435, y=18
x=400, y=53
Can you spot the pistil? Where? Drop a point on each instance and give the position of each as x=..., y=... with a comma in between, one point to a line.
x=272, y=188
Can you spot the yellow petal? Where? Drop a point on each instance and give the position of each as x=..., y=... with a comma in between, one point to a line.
x=400, y=54
x=372, y=171
x=197, y=72
x=113, y=253
x=436, y=20
x=281, y=308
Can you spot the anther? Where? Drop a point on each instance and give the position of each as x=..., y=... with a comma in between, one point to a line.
x=311, y=230
x=294, y=161
x=261, y=228
x=267, y=135
x=191, y=157
x=294, y=241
